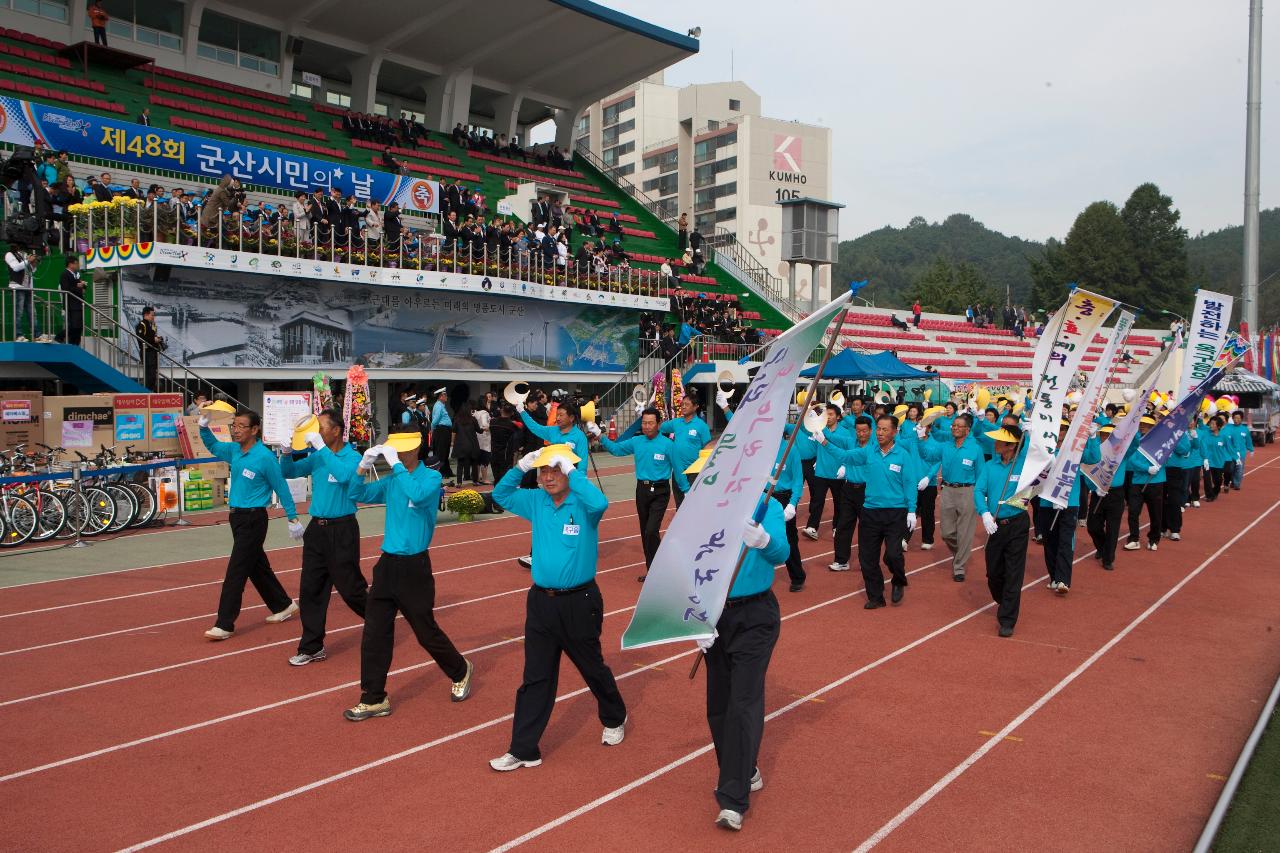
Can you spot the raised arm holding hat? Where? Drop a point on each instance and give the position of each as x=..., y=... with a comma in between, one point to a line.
x=255, y=474
x=564, y=612
x=653, y=454
x=690, y=433
x=402, y=579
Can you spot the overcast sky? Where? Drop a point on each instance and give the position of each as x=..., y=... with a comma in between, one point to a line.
x=1018, y=113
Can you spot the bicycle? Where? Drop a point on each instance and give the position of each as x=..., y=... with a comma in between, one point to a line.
x=51, y=511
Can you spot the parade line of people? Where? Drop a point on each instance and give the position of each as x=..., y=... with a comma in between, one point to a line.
x=890, y=474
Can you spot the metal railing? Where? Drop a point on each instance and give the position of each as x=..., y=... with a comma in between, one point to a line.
x=617, y=400
x=746, y=268
x=97, y=226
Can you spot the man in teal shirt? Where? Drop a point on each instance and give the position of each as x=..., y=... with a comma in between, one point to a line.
x=1008, y=527
x=402, y=579
x=563, y=431
x=787, y=493
x=1243, y=447
x=653, y=454
x=690, y=434
x=1146, y=488
x=959, y=458
x=564, y=612
x=1178, y=468
x=1059, y=525
x=255, y=474
x=825, y=466
x=331, y=543
x=853, y=493
x=442, y=431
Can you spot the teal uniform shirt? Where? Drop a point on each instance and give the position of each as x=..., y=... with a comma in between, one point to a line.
x=1215, y=448
x=653, y=455
x=1091, y=455
x=255, y=474
x=959, y=465
x=791, y=477
x=757, y=572
x=981, y=428
x=566, y=537
x=1140, y=466
x=1193, y=459
x=440, y=415
x=827, y=461
x=575, y=438
x=891, y=477
x=1242, y=440
x=330, y=473
x=994, y=479
x=690, y=436
x=412, y=500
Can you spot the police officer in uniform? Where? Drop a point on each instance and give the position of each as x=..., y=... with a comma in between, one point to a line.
x=151, y=344
x=564, y=612
x=653, y=477
x=331, y=542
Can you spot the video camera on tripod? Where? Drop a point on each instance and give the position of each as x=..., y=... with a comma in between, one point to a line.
x=25, y=229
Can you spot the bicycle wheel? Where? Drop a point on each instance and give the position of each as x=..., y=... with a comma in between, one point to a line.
x=102, y=511
x=126, y=506
x=147, y=504
x=20, y=519
x=77, y=514
x=53, y=515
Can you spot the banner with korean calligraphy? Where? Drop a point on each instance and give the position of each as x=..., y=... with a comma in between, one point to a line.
x=1116, y=447
x=221, y=319
x=1055, y=366
x=1061, y=479
x=1205, y=338
x=86, y=135
x=685, y=591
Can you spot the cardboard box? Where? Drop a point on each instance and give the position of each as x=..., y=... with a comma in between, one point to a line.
x=21, y=415
x=130, y=421
x=189, y=441
x=81, y=424
x=163, y=413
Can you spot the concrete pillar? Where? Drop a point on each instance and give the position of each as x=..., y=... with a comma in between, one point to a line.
x=506, y=113
x=79, y=21
x=191, y=29
x=433, y=115
x=286, y=65
x=566, y=120
x=364, y=82
x=458, y=97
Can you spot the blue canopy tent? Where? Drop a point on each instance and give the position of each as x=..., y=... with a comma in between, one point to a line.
x=861, y=366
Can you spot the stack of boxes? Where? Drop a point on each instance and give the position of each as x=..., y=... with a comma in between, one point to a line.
x=197, y=492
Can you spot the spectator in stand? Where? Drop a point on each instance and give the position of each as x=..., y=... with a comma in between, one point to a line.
x=669, y=278
x=98, y=19
x=73, y=300
x=915, y=311
x=898, y=324
x=100, y=192
x=318, y=213
x=391, y=226
x=392, y=164
x=298, y=213
x=682, y=233
x=669, y=348
x=135, y=190
x=222, y=198
x=373, y=222
x=144, y=118
x=615, y=226
x=64, y=167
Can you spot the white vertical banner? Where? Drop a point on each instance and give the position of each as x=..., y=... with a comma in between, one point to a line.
x=1205, y=337
x=1055, y=367
x=1061, y=479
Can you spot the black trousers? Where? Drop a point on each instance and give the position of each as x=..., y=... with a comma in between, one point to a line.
x=795, y=568
x=248, y=562
x=1103, y=524
x=818, y=500
x=651, y=506
x=1228, y=475
x=675, y=492
x=100, y=36
x=150, y=370
x=926, y=514
x=848, y=510
x=1192, y=483
x=330, y=558
x=1059, y=531
x=881, y=528
x=736, y=667
x=1152, y=497
x=402, y=584
x=1175, y=495
x=568, y=624
x=1006, y=553
x=441, y=443
x=1213, y=483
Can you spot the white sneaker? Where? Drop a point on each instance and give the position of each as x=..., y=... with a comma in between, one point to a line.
x=613, y=736
x=1152, y=547
x=216, y=633
x=1063, y=589
x=287, y=613
x=302, y=660
x=1176, y=537
x=1195, y=503
x=1132, y=546
x=926, y=546
x=460, y=690
x=810, y=532
x=729, y=819
x=21, y=339
x=905, y=544
x=45, y=339
x=839, y=567
x=1052, y=585
x=526, y=561
x=757, y=781
x=508, y=762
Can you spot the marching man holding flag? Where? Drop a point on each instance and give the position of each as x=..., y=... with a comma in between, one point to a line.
x=1008, y=527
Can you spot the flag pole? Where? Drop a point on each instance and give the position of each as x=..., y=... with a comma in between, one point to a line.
x=782, y=461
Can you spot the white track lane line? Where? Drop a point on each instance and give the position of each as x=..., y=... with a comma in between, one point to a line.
x=920, y=802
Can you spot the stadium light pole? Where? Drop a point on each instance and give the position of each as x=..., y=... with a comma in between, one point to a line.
x=1253, y=113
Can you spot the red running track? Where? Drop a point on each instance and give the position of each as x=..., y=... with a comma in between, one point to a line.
x=1103, y=722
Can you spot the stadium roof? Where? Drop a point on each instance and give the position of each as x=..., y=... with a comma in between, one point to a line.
x=557, y=53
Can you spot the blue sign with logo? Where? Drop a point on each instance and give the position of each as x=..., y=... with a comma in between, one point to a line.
x=130, y=428
x=164, y=425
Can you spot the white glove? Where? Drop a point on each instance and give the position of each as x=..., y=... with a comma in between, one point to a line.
x=526, y=462
x=561, y=462
x=922, y=431
x=911, y=521
x=640, y=407
x=923, y=484
x=988, y=523
x=1238, y=459
x=390, y=454
x=820, y=437
x=314, y=439
x=204, y=420
x=1093, y=428
x=705, y=643
x=593, y=429
x=1154, y=469
x=1193, y=434
x=295, y=529
x=370, y=456
x=840, y=472
x=788, y=512
x=1206, y=464
x=722, y=399
x=755, y=536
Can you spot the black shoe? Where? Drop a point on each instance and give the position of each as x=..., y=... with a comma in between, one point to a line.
x=958, y=578
x=796, y=587
x=641, y=578
x=872, y=605
x=1108, y=566
x=1006, y=630
x=896, y=595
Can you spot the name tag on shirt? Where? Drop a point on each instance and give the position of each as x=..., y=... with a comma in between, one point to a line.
x=693, y=433
x=411, y=506
x=967, y=462
x=248, y=475
x=1013, y=479
x=332, y=479
x=570, y=530
x=660, y=457
x=895, y=467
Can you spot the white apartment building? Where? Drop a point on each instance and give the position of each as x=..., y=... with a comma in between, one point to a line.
x=707, y=150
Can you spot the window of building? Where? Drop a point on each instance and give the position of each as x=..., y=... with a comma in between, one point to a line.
x=227, y=40
x=662, y=185
x=584, y=124
x=301, y=90
x=337, y=99
x=667, y=161
x=153, y=22
x=735, y=106
x=626, y=170
x=706, y=149
x=727, y=214
x=705, y=199
x=381, y=109
x=54, y=10
x=611, y=155
x=611, y=113
x=611, y=134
